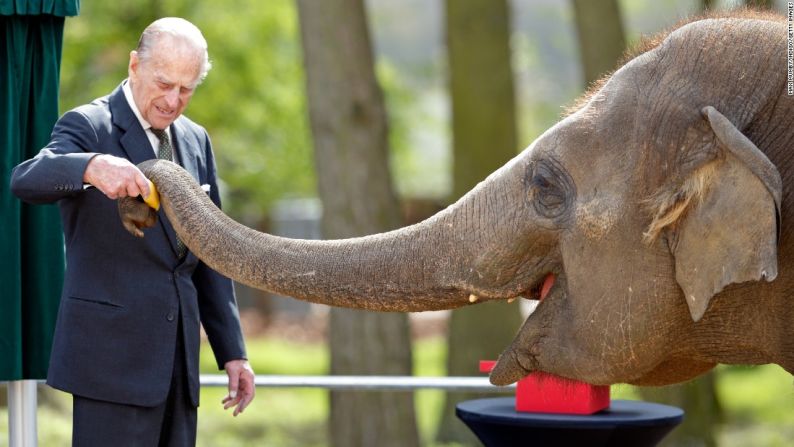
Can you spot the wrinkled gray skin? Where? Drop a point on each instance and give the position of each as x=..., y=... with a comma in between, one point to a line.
x=705, y=110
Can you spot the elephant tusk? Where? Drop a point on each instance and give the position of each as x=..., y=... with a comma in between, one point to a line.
x=473, y=298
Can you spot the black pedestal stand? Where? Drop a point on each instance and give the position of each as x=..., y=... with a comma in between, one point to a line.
x=625, y=423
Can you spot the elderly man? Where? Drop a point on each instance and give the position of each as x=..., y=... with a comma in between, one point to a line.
x=127, y=337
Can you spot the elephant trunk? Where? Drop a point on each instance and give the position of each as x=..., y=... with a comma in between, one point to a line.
x=415, y=268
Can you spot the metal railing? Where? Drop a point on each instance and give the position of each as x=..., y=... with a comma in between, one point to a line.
x=22, y=399
x=368, y=383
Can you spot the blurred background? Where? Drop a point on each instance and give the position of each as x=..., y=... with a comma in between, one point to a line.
x=460, y=87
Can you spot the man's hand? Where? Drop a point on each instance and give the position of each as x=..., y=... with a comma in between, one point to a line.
x=241, y=385
x=116, y=177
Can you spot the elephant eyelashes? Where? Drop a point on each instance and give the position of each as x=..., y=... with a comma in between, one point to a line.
x=548, y=196
x=548, y=188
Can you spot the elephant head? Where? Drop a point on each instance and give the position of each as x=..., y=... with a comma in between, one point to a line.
x=651, y=217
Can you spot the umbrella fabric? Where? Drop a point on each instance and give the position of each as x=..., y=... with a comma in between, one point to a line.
x=59, y=8
x=31, y=241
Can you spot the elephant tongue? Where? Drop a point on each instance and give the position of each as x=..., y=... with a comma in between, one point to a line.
x=548, y=282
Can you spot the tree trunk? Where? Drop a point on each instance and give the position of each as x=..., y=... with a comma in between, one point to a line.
x=484, y=138
x=601, y=37
x=349, y=128
x=701, y=407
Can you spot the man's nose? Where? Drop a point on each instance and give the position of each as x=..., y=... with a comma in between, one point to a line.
x=172, y=98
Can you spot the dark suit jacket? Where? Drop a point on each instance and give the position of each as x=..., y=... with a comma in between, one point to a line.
x=116, y=330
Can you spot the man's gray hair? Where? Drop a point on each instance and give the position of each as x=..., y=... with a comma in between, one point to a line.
x=178, y=28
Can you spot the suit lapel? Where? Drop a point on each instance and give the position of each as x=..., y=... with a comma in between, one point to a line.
x=134, y=141
x=184, y=152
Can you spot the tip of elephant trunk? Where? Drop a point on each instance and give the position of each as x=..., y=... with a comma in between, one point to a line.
x=507, y=370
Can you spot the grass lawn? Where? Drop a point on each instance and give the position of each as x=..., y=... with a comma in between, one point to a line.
x=759, y=406
x=758, y=402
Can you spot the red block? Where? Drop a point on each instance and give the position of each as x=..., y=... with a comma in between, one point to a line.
x=545, y=393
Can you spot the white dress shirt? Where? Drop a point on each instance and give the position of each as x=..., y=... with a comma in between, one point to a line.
x=153, y=140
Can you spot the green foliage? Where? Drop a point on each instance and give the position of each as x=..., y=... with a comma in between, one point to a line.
x=411, y=165
x=96, y=49
x=757, y=393
x=251, y=103
x=758, y=402
x=273, y=356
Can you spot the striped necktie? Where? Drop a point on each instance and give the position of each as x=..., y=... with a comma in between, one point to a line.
x=165, y=152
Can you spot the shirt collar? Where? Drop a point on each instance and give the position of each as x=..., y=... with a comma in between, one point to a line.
x=125, y=86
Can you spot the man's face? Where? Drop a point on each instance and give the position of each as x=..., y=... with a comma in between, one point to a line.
x=163, y=84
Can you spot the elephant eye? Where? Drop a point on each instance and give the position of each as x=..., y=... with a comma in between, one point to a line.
x=547, y=194
x=548, y=189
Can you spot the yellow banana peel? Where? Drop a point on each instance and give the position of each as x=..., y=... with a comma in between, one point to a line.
x=153, y=199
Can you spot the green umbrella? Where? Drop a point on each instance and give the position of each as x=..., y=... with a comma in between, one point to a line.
x=31, y=242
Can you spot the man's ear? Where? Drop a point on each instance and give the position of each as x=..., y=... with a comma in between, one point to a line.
x=726, y=230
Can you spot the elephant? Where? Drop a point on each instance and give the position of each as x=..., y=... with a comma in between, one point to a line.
x=651, y=217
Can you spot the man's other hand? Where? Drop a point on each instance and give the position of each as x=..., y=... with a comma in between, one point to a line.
x=116, y=177
x=241, y=385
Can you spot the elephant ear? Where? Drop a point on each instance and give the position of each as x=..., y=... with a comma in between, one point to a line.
x=729, y=235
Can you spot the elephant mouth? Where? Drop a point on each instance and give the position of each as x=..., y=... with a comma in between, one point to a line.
x=541, y=289
x=520, y=358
